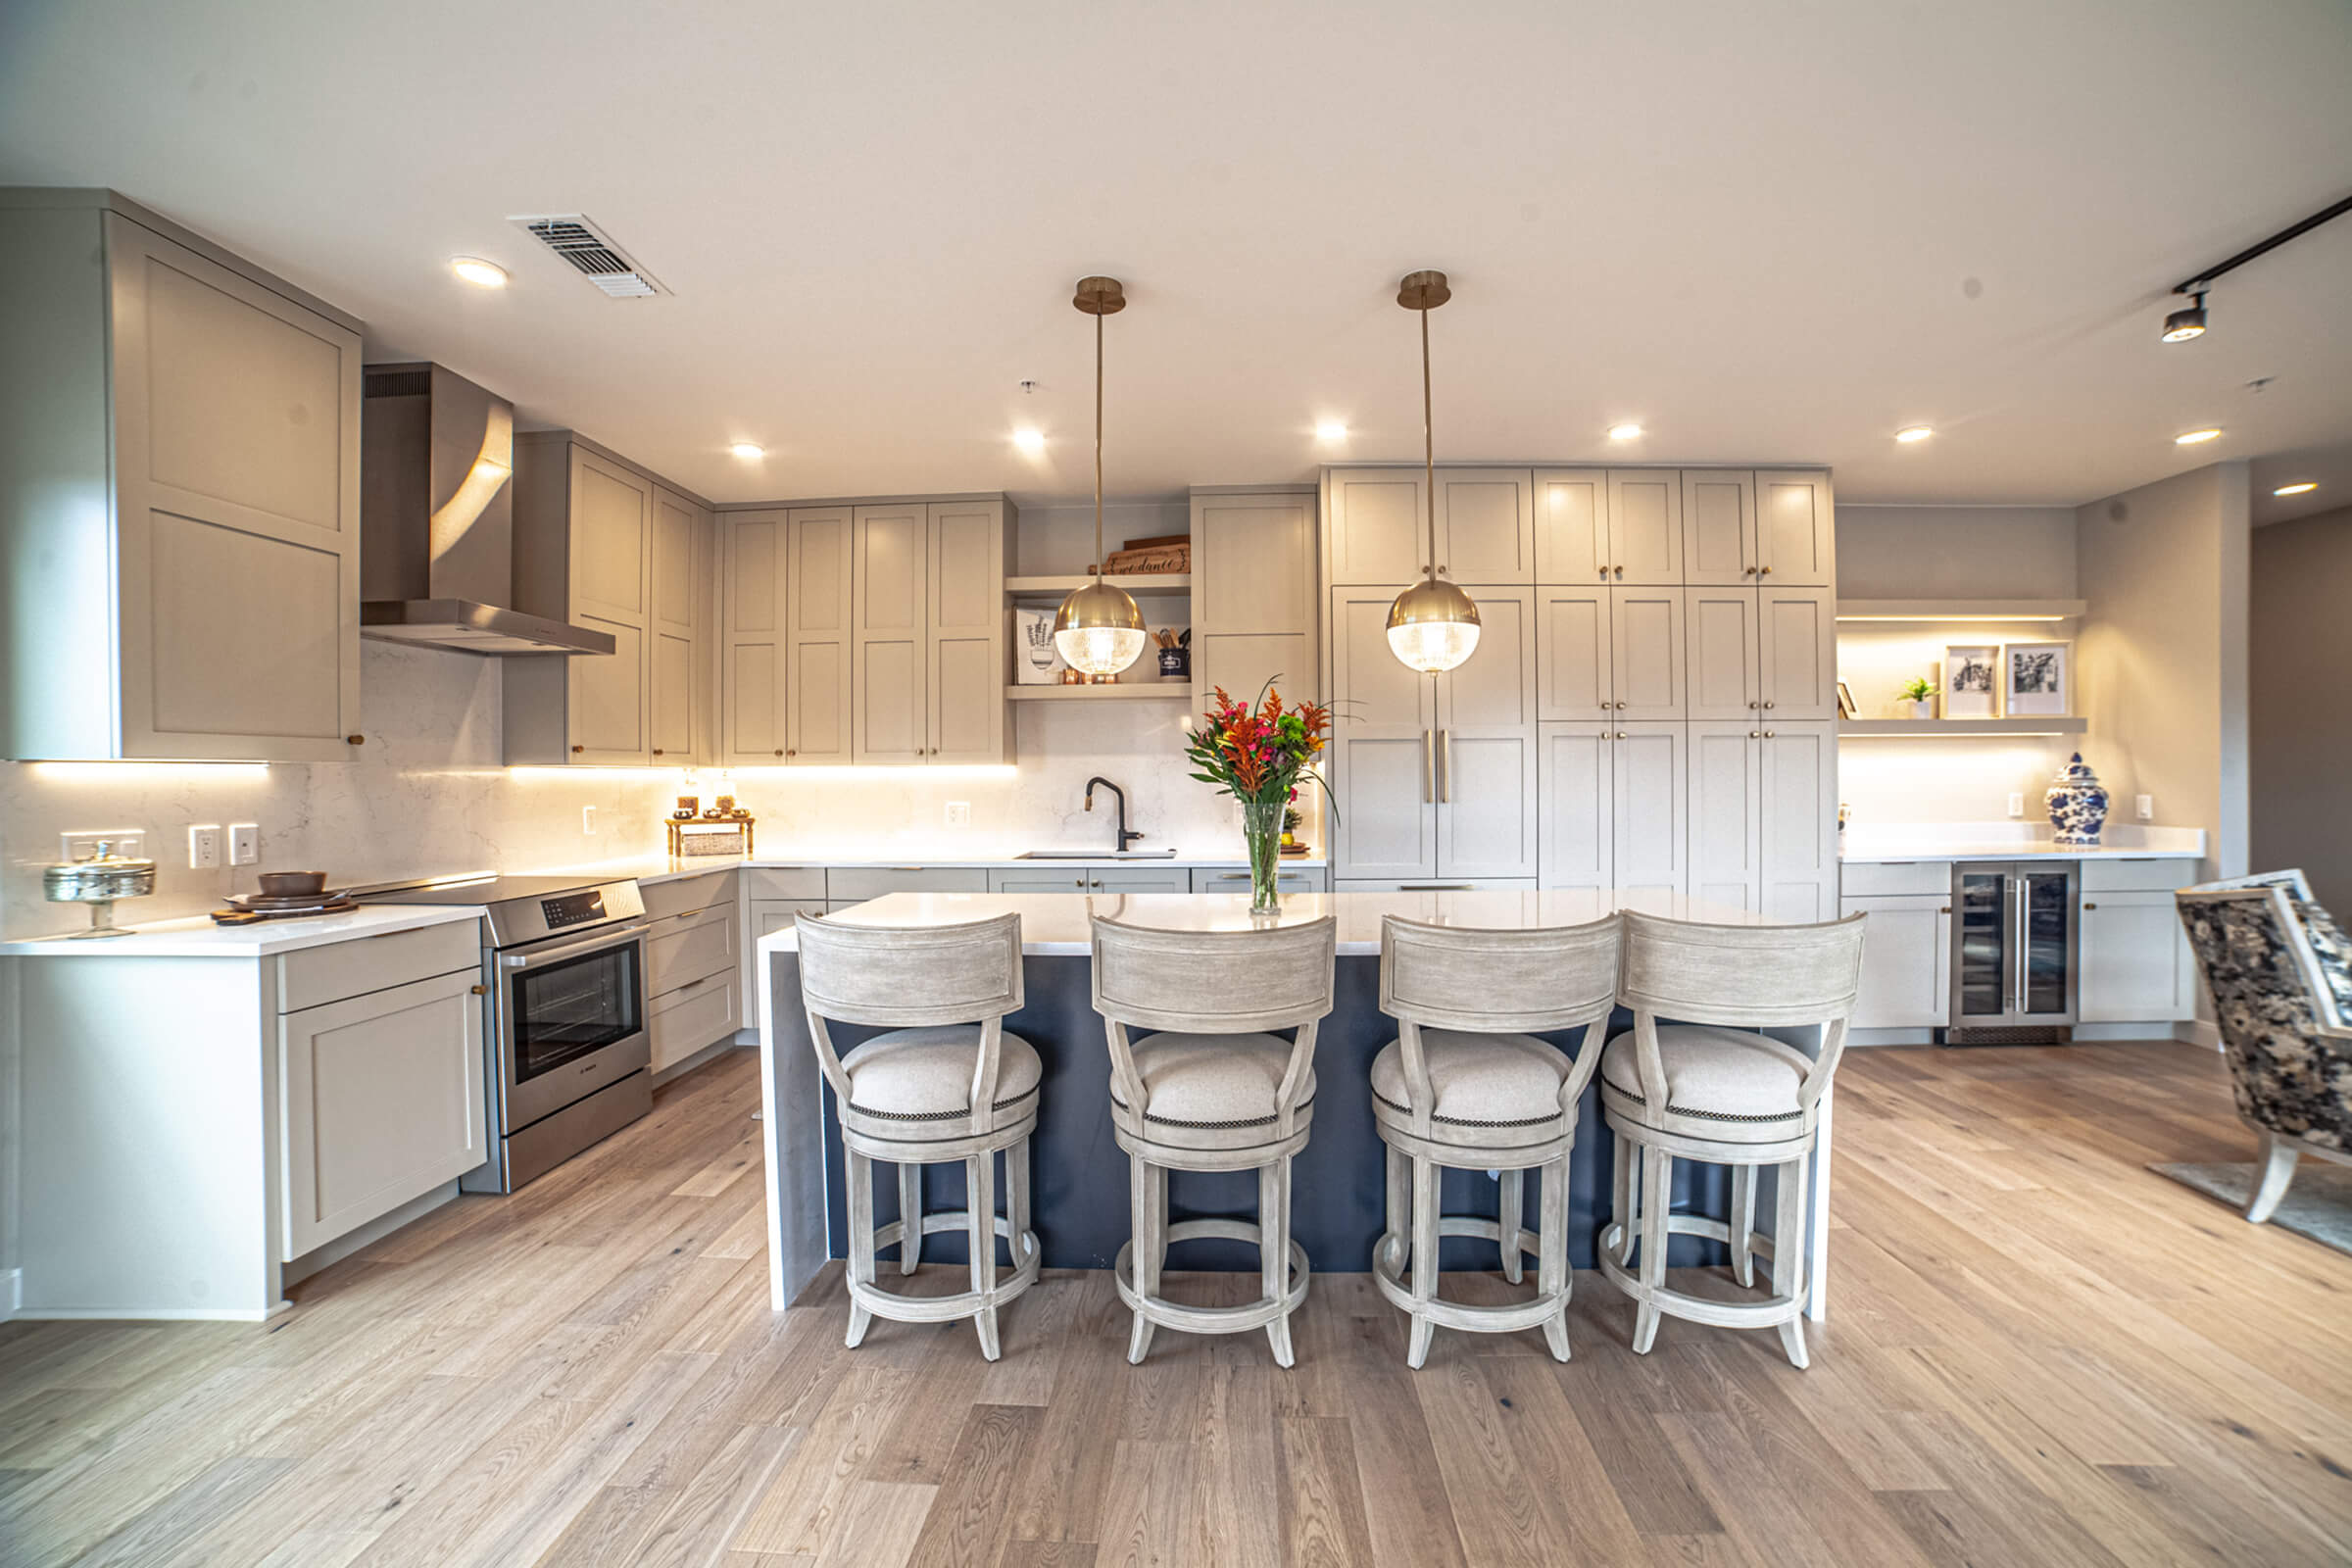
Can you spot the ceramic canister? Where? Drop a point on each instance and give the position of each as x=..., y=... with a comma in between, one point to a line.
x=2077, y=803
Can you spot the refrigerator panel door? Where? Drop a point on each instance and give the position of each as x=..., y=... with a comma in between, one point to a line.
x=2046, y=909
x=1981, y=958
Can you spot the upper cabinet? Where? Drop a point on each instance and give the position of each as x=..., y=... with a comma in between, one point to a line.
x=1485, y=525
x=1254, y=598
x=965, y=633
x=1796, y=530
x=1719, y=527
x=753, y=590
x=179, y=496
x=680, y=580
x=817, y=669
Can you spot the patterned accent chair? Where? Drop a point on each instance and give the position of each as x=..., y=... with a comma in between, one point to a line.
x=2281, y=974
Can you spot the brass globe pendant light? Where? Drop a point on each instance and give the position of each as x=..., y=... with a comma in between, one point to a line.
x=1433, y=626
x=1098, y=629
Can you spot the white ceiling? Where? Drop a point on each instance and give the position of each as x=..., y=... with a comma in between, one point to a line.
x=1767, y=232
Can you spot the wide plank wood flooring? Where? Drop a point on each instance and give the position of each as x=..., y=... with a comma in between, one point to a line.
x=2040, y=1352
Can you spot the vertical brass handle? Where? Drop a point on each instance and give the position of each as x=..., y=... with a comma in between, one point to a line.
x=1445, y=765
x=1428, y=774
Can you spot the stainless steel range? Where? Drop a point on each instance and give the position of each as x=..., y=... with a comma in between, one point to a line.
x=564, y=977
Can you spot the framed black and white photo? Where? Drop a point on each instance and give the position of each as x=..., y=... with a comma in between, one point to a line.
x=2035, y=678
x=1970, y=684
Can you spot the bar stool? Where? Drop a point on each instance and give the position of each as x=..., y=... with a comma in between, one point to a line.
x=945, y=1083
x=1212, y=1091
x=1709, y=1087
x=1464, y=1085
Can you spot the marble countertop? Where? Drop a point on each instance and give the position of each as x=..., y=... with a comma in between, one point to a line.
x=199, y=938
x=2012, y=841
x=663, y=868
x=1057, y=924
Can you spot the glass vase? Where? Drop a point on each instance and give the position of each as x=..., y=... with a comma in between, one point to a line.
x=1261, y=833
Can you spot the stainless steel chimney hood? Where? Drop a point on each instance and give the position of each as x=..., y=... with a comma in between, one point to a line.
x=437, y=519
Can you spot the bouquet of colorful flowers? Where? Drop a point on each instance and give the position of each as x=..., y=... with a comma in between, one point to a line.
x=1258, y=757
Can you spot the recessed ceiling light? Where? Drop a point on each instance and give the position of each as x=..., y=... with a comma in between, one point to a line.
x=1624, y=432
x=1330, y=431
x=1029, y=440
x=1915, y=432
x=749, y=451
x=480, y=274
x=2191, y=438
x=2303, y=489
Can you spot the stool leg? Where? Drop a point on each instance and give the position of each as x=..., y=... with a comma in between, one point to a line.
x=1425, y=1256
x=1788, y=1255
x=980, y=1209
x=910, y=1215
x=1621, y=1199
x=1743, y=1224
x=1148, y=1213
x=1274, y=1249
x=1509, y=1206
x=860, y=1173
x=1016, y=1183
x=1398, y=1236
x=1657, y=1201
x=1552, y=1251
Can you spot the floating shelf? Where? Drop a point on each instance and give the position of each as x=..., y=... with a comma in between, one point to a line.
x=1138, y=691
x=1999, y=610
x=1158, y=582
x=1958, y=728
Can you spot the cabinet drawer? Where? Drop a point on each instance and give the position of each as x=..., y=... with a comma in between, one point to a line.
x=785, y=882
x=692, y=1017
x=665, y=898
x=856, y=884
x=2130, y=874
x=1438, y=884
x=1301, y=879
x=312, y=977
x=1864, y=878
x=685, y=948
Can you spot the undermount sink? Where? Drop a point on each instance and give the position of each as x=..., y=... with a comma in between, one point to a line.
x=1096, y=855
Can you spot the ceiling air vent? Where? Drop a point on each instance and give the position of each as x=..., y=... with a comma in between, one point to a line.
x=591, y=254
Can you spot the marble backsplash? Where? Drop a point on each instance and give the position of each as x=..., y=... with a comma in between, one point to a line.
x=427, y=795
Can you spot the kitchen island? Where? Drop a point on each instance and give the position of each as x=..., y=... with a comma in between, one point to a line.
x=1078, y=1170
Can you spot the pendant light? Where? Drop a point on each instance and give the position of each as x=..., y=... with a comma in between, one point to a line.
x=1098, y=629
x=1433, y=626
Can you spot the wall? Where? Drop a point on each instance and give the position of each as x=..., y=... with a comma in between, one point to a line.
x=2300, y=733
x=2160, y=666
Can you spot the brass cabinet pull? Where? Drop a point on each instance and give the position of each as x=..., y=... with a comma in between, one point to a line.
x=481, y=991
x=656, y=751
x=354, y=740
x=2089, y=907
x=1445, y=765
x=577, y=750
x=1429, y=776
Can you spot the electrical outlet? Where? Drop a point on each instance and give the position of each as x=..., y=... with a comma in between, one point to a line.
x=588, y=821
x=2143, y=807
x=959, y=814
x=2017, y=803
x=130, y=843
x=203, y=848
x=244, y=843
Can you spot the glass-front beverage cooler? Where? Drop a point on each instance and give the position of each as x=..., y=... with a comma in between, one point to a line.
x=2013, y=952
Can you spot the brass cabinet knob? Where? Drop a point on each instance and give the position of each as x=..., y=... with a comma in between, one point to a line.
x=577, y=750
x=779, y=750
x=1755, y=734
x=481, y=991
x=656, y=751
x=2090, y=906
x=354, y=740
x=1767, y=705
x=1763, y=571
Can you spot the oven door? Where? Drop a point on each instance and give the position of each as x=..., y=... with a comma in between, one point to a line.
x=570, y=1021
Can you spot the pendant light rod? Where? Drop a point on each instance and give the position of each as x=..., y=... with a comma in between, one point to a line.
x=1429, y=445
x=1098, y=446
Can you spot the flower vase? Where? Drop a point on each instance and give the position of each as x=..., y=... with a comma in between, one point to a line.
x=1261, y=833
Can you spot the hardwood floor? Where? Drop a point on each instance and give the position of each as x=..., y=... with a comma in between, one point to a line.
x=2040, y=1352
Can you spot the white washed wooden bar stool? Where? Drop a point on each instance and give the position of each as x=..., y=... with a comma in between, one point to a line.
x=1212, y=1091
x=1465, y=1085
x=945, y=1083
x=1709, y=1087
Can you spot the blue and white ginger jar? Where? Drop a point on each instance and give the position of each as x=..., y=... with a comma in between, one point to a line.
x=2077, y=803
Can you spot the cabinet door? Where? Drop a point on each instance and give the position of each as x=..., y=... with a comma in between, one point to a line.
x=752, y=674
x=1645, y=526
x=769, y=915
x=1576, y=786
x=1719, y=527
x=964, y=680
x=605, y=699
x=2136, y=964
x=1796, y=649
x=1650, y=778
x=1572, y=680
x=1487, y=525
x=1572, y=525
x=1486, y=760
x=676, y=633
x=1725, y=813
x=1906, y=961
x=1155, y=879
x=611, y=704
x=1723, y=675
x=1796, y=532
x=1647, y=638
x=380, y=1100
x=1383, y=746
x=889, y=590
x=1379, y=533
x=1799, y=820
x=236, y=427
x=819, y=657
x=1255, y=594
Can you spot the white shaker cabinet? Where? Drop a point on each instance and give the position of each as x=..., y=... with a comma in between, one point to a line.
x=1486, y=746
x=1647, y=658
x=1572, y=527
x=1726, y=793
x=1797, y=820
x=1796, y=652
x=889, y=591
x=179, y=496
x=819, y=678
x=1649, y=773
x=753, y=669
x=1645, y=526
x=1906, y=961
x=2133, y=959
x=1573, y=657
x=1796, y=542
x=674, y=634
x=1719, y=527
x=1254, y=598
x=1383, y=746
x=1725, y=684
x=965, y=633
x=1576, y=783
x=1379, y=531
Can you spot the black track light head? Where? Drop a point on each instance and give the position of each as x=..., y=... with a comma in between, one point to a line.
x=2185, y=323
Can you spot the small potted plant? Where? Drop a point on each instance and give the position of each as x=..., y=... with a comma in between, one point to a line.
x=1920, y=696
x=1290, y=825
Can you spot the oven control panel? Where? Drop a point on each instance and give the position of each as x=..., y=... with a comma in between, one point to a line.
x=572, y=908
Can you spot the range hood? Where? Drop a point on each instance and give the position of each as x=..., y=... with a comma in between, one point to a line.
x=437, y=519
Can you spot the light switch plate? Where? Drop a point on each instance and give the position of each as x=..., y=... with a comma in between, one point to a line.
x=2143, y=807
x=2017, y=803
x=244, y=843
x=129, y=842
x=588, y=821
x=959, y=814
x=203, y=848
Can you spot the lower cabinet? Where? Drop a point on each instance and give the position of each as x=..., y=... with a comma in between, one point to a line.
x=1092, y=879
x=1906, y=961
x=2135, y=960
x=380, y=1101
x=1292, y=879
x=1491, y=884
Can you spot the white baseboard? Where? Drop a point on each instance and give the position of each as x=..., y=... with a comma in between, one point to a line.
x=158, y=1314
x=2155, y=1029
x=1891, y=1037
x=375, y=1230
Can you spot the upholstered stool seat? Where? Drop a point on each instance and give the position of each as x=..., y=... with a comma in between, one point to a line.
x=1211, y=1080
x=1729, y=1084
x=1465, y=1086
x=926, y=1074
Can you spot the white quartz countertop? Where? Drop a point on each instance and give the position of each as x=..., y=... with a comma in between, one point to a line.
x=661, y=868
x=199, y=938
x=2012, y=841
x=1057, y=924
